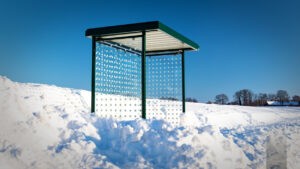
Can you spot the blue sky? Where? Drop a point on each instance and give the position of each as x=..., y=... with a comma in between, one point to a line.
x=244, y=44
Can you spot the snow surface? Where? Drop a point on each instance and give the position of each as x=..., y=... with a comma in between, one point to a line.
x=44, y=126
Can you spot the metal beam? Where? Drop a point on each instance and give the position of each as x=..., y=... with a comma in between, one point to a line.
x=93, y=74
x=116, y=38
x=183, y=81
x=161, y=54
x=121, y=47
x=168, y=50
x=143, y=59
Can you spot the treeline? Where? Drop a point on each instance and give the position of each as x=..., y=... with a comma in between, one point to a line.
x=246, y=97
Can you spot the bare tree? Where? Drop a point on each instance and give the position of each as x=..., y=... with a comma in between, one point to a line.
x=244, y=97
x=247, y=96
x=272, y=97
x=296, y=98
x=238, y=97
x=282, y=96
x=189, y=99
x=221, y=99
x=262, y=99
x=209, y=102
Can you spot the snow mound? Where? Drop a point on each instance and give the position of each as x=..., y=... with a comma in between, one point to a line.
x=43, y=126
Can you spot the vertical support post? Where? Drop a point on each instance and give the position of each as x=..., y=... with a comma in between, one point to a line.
x=143, y=74
x=183, y=81
x=93, y=74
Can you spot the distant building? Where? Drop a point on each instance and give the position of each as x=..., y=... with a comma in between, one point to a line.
x=277, y=103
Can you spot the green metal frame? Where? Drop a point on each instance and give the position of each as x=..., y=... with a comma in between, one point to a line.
x=97, y=33
x=183, y=81
x=93, y=74
x=143, y=75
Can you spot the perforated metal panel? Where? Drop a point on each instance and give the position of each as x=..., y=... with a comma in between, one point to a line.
x=118, y=82
x=120, y=89
x=164, y=87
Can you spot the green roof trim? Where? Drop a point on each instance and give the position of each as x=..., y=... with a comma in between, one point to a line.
x=121, y=29
x=140, y=27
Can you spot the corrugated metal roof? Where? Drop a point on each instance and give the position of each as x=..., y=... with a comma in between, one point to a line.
x=159, y=37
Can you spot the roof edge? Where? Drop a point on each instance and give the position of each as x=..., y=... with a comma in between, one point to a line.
x=138, y=27
x=177, y=35
x=122, y=28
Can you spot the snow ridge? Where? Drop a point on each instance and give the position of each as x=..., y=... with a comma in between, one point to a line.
x=45, y=126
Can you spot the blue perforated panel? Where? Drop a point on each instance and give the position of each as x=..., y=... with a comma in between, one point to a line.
x=164, y=87
x=118, y=82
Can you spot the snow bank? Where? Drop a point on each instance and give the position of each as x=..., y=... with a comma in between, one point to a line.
x=44, y=126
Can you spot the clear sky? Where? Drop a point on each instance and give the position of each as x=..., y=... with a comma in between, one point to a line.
x=244, y=44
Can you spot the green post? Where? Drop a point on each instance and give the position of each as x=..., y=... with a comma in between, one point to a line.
x=183, y=81
x=93, y=74
x=143, y=75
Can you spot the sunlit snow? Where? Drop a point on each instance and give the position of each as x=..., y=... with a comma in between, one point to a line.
x=44, y=126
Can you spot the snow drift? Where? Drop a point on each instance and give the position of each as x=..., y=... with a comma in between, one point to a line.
x=44, y=126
